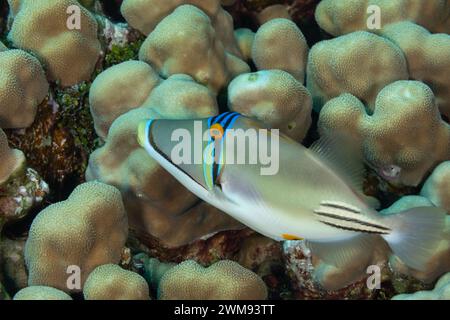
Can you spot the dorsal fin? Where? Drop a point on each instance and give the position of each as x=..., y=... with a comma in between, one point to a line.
x=341, y=153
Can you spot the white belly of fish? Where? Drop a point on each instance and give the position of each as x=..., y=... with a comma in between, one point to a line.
x=245, y=205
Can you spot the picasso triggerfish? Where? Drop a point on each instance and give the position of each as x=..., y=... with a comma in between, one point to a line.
x=314, y=194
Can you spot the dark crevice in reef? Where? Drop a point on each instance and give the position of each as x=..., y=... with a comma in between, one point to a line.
x=111, y=8
x=245, y=15
x=57, y=145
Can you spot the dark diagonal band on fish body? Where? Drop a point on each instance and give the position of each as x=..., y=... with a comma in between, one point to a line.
x=340, y=205
x=348, y=220
x=349, y=228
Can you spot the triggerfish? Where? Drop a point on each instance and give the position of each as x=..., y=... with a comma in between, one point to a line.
x=315, y=194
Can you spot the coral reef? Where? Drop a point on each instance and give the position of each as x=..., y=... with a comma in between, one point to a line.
x=268, y=50
x=41, y=293
x=188, y=29
x=69, y=54
x=222, y=280
x=13, y=273
x=426, y=56
x=147, y=14
x=275, y=11
x=437, y=186
x=111, y=282
x=119, y=89
x=12, y=160
x=245, y=38
x=274, y=97
x=87, y=230
x=347, y=65
x=394, y=137
x=22, y=87
x=408, y=25
x=340, y=17
x=20, y=195
x=441, y=291
x=71, y=100
x=153, y=269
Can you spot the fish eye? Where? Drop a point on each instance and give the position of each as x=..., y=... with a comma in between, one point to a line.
x=216, y=131
x=391, y=171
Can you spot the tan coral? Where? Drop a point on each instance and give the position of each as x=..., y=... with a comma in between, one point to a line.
x=347, y=64
x=428, y=58
x=437, y=186
x=274, y=97
x=339, y=17
x=223, y=280
x=182, y=97
x=144, y=15
x=41, y=26
x=279, y=44
x=441, y=291
x=157, y=204
x=274, y=12
x=11, y=160
x=397, y=134
x=111, y=282
x=41, y=293
x=245, y=38
x=185, y=42
x=22, y=87
x=86, y=230
x=119, y=89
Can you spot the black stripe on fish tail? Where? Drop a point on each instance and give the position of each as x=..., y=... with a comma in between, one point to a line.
x=364, y=223
x=352, y=229
x=339, y=205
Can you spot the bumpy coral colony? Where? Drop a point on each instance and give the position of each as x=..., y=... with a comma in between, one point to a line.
x=87, y=213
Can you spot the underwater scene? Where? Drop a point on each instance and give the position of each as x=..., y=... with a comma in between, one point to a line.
x=225, y=150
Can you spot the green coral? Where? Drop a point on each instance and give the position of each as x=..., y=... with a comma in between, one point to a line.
x=119, y=53
x=75, y=114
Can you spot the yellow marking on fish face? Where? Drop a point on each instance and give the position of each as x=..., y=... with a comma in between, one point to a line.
x=287, y=236
x=216, y=131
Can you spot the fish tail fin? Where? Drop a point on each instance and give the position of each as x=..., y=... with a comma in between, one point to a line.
x=415, y=234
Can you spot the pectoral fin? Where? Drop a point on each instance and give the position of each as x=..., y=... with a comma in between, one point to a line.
x=340, y=152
